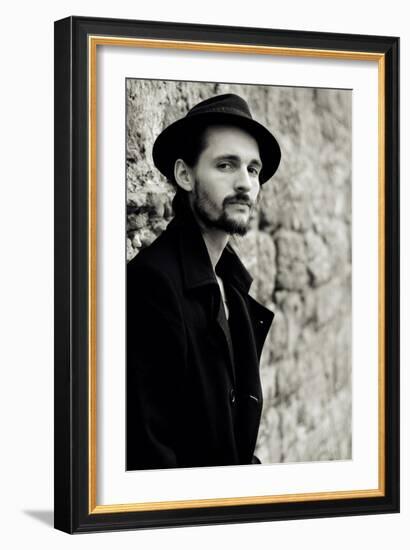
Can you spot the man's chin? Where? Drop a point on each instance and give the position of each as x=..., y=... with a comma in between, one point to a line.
x=232, y=223
x=235, y=225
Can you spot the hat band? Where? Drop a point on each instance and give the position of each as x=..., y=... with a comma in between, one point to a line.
x=222, y=110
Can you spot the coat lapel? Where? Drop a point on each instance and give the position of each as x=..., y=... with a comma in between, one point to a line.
x=198, y=275
x=224, y=329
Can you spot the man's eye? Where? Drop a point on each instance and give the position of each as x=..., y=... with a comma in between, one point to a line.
x=225, y=165
x=253, y=170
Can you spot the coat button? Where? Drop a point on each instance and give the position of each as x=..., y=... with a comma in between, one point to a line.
x=233, y=396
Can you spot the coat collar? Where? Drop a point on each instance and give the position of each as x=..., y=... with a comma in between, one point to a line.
x=195, y=261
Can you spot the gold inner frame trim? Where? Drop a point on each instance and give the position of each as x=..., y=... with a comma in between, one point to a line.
x=93, y=42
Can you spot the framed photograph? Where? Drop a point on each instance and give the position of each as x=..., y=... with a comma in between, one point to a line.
x=226, y=274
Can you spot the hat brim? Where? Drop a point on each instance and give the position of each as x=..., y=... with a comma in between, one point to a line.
x=169, y=145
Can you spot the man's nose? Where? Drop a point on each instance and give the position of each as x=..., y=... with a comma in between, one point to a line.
x=243, y=181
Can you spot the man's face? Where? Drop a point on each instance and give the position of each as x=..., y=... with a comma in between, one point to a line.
x=226, y=179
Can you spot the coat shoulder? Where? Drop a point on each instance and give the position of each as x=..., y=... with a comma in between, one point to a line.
x=160, y=258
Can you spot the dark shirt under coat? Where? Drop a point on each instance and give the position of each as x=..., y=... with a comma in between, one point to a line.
x=193, y=387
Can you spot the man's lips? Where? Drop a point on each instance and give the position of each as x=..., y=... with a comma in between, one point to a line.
x=239, y=202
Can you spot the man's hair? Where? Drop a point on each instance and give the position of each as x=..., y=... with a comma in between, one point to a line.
x=189, y=153
x=180, y=202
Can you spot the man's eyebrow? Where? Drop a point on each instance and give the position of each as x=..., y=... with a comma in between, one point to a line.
x=236, y=158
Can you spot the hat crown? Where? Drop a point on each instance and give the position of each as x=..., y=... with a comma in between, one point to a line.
x=225, y=103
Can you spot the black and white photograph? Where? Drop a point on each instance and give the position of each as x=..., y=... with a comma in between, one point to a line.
x=239, y=274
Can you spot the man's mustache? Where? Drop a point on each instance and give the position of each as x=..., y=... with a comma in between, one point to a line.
x=240, y=198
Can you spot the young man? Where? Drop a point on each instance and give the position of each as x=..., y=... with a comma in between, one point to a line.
x=194, y=335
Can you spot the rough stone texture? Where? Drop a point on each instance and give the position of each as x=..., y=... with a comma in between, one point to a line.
x=298, y=251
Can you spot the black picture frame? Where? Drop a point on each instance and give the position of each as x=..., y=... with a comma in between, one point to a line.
x=75, y=509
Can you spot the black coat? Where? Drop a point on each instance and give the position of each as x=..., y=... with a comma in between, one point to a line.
x=193, y=398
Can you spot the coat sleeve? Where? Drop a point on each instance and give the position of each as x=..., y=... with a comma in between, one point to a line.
x=156, y=359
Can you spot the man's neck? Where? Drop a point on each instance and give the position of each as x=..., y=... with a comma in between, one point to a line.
x=215, y=241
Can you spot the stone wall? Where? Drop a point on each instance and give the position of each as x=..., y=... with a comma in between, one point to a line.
x=298, y=251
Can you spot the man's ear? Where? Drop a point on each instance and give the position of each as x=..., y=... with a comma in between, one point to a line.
x=183, y=175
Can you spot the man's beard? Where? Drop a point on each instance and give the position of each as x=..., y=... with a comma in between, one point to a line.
x=203, y=207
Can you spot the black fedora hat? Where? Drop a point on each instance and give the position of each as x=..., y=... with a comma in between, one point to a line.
x=229, y=109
